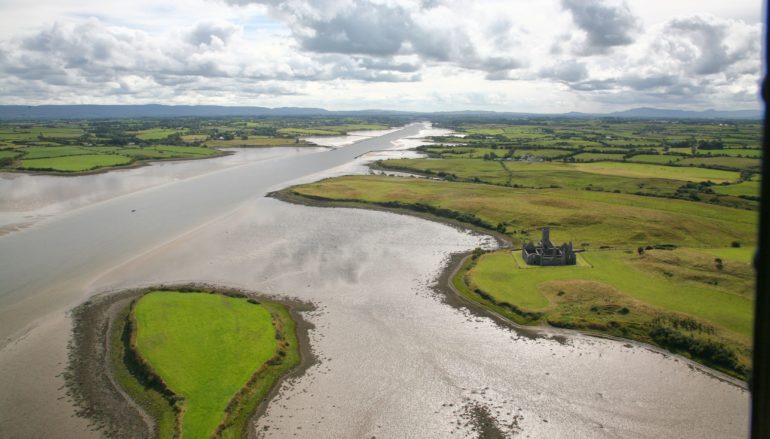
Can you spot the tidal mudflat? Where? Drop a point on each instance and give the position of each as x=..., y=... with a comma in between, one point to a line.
x=394, y=359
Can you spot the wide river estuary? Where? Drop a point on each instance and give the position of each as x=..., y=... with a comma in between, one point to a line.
x=394, y=360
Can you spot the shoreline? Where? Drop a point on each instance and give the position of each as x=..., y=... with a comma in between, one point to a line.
x=222, y=151
x=288, y=196
x=132, y=165
x=455, y=299
x=89, y=374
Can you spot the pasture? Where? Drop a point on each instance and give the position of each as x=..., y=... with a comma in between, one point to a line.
x=629, y=294
x=205, y=347
x=588, y=218
x=74, y=163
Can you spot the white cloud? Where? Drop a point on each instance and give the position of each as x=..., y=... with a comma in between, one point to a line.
x=559, y=55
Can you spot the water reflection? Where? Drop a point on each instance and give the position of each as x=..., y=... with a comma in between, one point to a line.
x=26, y=198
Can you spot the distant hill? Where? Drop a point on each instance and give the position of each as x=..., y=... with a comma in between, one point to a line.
x=657, y=113
x=22, y=112
x=19, y=112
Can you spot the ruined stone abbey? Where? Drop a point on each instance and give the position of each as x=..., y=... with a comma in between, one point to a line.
x=545, y=253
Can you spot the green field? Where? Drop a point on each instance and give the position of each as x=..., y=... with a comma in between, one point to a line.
x=628, y=294
x=9, y=154
x=687, y=290
x=75, y=159
x=745, y=188
x=751, y=164
x=594, y=218
x=32, y=133
x=186, y=151
x=157, y=133
x=596, y=156
x=541, y=153
x=739, y=254
x=77, y=163
x=640, y=170
x=331, y=130
x=538, y=175
x=40, y=152
x=733, y=152
x=206, y=348
x=194, y=138
x=654, y=158
x=629, y=170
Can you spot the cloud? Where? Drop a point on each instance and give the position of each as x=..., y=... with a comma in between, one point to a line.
x=505, y=54
x=606, y=26
x=567, y=71
x=428, y=31
x=211, y=34
x=702, y=43
x=693, y=58
x=89, y=57
x=364, y=28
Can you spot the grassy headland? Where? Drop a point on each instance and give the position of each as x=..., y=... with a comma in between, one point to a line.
x=589, y=219
x=666, y=245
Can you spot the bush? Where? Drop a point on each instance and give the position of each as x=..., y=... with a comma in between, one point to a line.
x=710, y=351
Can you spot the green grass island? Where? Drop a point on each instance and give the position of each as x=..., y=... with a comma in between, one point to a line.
x=199, y=362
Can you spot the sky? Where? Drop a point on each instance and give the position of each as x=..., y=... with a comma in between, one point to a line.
x=545, y=56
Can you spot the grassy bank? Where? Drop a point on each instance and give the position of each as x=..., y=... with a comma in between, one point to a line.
x=589, y=219
x=656, y=298
x=89, y=146
x=696, y=298
x=690, y=184
x=198, y=363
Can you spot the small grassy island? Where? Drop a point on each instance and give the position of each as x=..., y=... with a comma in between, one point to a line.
x=663, y=221
x=197, y=362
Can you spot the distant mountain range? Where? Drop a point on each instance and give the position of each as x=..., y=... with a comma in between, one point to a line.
x=49, y=112
x=655, y=113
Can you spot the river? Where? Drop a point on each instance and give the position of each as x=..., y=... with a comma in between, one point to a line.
x=394, y=359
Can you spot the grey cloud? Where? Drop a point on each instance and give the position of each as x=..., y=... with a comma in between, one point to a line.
x=381, y=30
x=366, y=69
x=707, y=53
x=499, y=68
x=634, y=82
x=594, y=85
x=387, y=64
x=91, y=55
x=363, y=29
x=208, y=33
x=689, y=60
x=606, y=26
x=637, y=82
x=567, y=71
